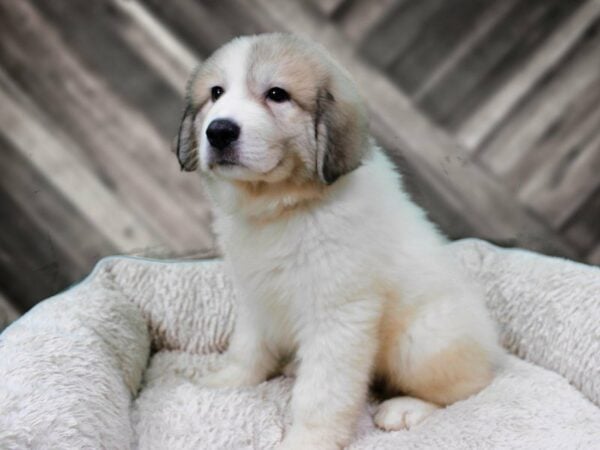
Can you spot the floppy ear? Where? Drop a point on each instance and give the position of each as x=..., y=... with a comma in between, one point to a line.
x=340, y=134
x=186, y=145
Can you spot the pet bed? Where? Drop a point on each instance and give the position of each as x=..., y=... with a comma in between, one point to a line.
x=114, y=362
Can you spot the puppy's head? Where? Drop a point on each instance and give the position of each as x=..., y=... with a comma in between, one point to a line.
x=270, y=107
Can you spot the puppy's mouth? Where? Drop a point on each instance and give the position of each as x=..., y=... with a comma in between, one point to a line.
x=224, y=158
x=224, y=162
x=228, y=163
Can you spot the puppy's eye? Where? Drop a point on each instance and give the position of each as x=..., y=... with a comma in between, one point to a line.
x=216, y=92
x=278, y=95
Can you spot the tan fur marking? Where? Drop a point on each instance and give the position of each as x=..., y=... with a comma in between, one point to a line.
x=457, y=372
x=395, y=320
x=287, y=62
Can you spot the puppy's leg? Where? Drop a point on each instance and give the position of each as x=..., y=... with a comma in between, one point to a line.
x=247, y=361
x=336, y=357
x=440, y=349
x=452, y=374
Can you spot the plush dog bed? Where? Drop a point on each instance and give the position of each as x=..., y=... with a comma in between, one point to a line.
x=114, y=362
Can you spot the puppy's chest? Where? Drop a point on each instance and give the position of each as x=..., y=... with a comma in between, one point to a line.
x=281, y=259
x=285, y=262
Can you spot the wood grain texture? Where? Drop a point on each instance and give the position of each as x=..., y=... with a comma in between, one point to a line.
x=442, y=163
x=594, y=256
x=508, y=45
x=172, y=60
x=205, y=26
x=397, y=30
x=489, y=19
x=485, y=119
x=583, y=229
x=28, y=131
x=8, y=313
x=548, y=149
x=360, y=16
x=328, y=7
x=124, y=147
x=490, y=109
x=441, y=33
x=45, y=242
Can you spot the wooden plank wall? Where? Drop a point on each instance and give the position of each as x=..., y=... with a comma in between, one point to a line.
x=515, y=83
x=490, y=107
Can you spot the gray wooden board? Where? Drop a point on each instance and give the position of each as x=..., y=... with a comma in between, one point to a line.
x=207, y=25
x=490, y=115
x=46, y=244
x=584, y=228
x=498, y=55
x=547, y=150
x=101, y=84
x=125, y=149
x=8, y=313
x=439, y=35
x=358, y=17
x=481, y=202
x=91, y=29
x=395, y=32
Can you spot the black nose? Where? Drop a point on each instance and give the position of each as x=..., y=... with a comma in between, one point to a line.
x=222, y=132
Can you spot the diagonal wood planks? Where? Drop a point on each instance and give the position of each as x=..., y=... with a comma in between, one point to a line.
x=484, y=204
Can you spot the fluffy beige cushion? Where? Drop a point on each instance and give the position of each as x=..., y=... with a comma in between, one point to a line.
x=114, y=362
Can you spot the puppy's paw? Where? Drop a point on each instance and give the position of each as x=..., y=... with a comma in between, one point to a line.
x=402, y=413
x=230, y=376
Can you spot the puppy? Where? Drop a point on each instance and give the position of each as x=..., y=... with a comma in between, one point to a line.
x=333, y=265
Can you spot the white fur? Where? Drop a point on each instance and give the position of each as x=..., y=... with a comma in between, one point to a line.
x=307, y=281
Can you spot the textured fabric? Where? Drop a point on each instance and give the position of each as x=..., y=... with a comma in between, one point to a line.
x=71, y=369
x=548, y=309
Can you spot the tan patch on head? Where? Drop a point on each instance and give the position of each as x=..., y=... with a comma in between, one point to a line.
x=455, y=373
x=286, y=61
x=320, y=86
x=206, y=75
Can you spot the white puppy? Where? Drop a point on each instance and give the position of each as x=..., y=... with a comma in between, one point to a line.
x=334, y=266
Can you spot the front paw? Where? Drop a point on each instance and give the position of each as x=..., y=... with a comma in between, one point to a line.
x=231, y=375
x=401, y=413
